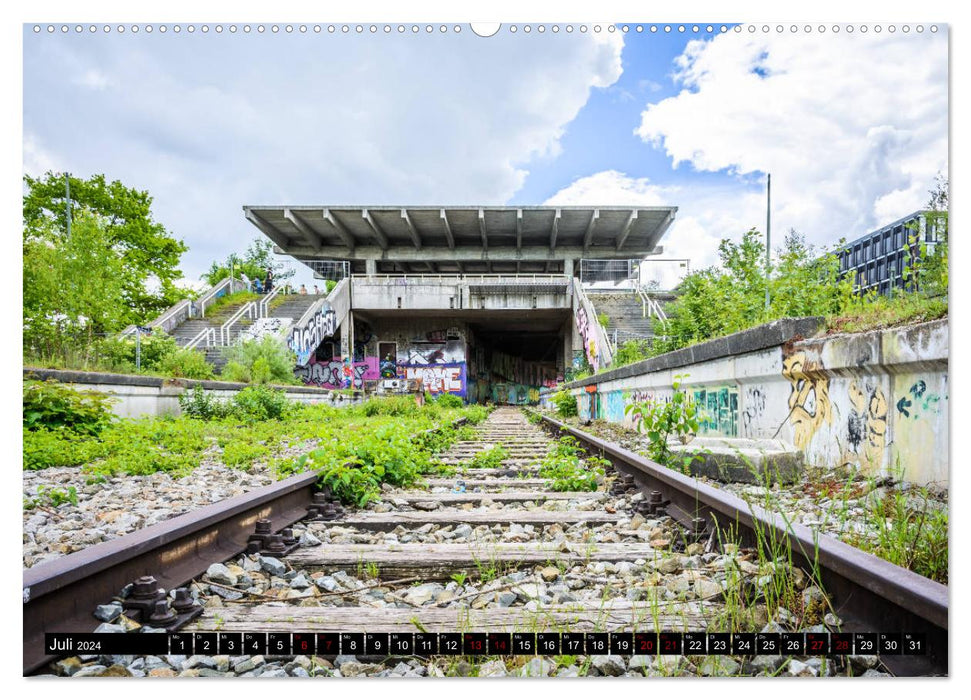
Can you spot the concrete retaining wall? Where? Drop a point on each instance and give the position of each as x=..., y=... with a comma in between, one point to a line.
x=153, y=396
x=876, y=400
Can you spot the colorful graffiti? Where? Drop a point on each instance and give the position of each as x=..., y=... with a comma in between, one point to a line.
x=304, y=341
x=510, y=393
x=754, y=406
x=438, y=379
x=809, y=404
x=918, y=399
x=587, y=333
x=866, y=425
x=720, y=410
x=337, y=374
x=613, y=405
x=432, y=353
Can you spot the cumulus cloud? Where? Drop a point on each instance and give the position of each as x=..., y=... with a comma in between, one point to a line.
x=209, y=123
x=853, y=128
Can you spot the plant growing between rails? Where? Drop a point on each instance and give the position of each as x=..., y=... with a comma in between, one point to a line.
x=565, y=471
x=491, y=458
x=661, y=420
x=52, y=497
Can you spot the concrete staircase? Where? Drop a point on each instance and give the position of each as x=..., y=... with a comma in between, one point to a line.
x=292, y=306
x=625, y=315
x=190, y=328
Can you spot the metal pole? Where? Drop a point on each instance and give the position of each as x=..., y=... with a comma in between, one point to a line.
x=67, y=189
x=768, y=235
x=138, y=348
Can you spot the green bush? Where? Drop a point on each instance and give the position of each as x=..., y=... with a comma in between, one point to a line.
x=51, y=404
x=491, y=458
x=449, y=401
x=260, y=403
x=680, y=417
x=197, y=403
x=242, y=453
x=564, y=470
x=188, y=364
x=390, y=406
x=566, y=404
x=155, y=349
x=265, y=360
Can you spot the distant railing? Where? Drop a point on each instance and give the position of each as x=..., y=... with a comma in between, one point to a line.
x=227, y=285
x=264, y=303
x=468, y=279
x=206, y=335
x=225, y=331
x=604, y=348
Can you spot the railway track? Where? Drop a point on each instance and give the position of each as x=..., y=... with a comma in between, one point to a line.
x=476, y=551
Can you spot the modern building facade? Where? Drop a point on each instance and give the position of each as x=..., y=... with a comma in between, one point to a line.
x=879, y=258
x=480, y=302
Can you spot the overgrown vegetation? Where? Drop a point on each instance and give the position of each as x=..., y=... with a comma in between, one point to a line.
x=253, y=263
x=265, y=360
x=662, y=420
x=566, y=468
x=491, y=458
x=565, y=403
x=53, y=406
x=358, y=448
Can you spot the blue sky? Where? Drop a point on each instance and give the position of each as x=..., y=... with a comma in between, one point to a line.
x=208, y=123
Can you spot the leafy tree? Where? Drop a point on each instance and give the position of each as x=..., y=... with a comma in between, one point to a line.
x=73, y=287
x=253, y=263
x=262, y=361
x=148, y=256
x=930, y=271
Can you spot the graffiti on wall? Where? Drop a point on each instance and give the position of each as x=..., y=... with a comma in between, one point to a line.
x=432, y=353
x=337, y=373
x=585, y=406
x=510, y=393
x=919, y=401
x=754, y=406
x=587, y=333
x=613, y=404
x=866, y=425
x=719, y=406
x=304, y=341
x=438, y=379
x=809, y=404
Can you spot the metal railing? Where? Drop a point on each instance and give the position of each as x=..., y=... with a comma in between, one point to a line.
x=226, y=330
x=650, y=306
x=228, y=285
x=263, y=309
x=206, y=335
x=606, y=349
x=468, y=279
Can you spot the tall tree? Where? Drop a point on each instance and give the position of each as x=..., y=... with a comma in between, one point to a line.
x=148, y=254
x=253, y=263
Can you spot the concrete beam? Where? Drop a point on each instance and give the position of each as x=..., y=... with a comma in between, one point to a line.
x=308, y=233
x=482, y=230
x=519, y=230
x=448, y=231
x=588, y=235
x=415, y=237
x=342, y=231
x=268, y=229
x=378, y=233
x=625, y=232
x=465, y=253
x=556, y=229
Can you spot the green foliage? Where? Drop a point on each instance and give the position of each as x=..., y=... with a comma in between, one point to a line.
x=719, y=301
x=253, y=263
x=603, y=319
x=72, y=286
x=661, y=420
x=491, y=458
x=225, y=305
x=242, y=453
x=632, y=351
x=58, y=447
x=260, y=403
x=52, y=497
x=264, y=360
x=156, y=348
x=51, y=404
x=133, y=252
x=187, y=364
x=475, y=415
x=566, y=404
x=564, y=469
x=198, y=403
x=391, y=406
x=449, y=401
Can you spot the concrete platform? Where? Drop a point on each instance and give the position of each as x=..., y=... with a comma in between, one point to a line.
x=743, y=460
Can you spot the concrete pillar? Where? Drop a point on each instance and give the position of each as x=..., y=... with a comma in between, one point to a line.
x=347, y=336
x=568, y=268
x=371, y=267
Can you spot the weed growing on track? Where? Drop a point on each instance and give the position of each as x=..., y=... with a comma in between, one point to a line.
x=564, y=469
x=491, y=458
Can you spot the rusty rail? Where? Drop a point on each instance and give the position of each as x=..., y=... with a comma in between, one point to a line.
x=869, y=593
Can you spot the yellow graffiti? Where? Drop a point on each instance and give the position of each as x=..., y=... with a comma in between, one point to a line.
x=809, y=405
x=867, y=426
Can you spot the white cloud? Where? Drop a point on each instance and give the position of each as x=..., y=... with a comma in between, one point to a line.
x=853, y=128
x=37, y=160
x=93, y=79
x=207, y=124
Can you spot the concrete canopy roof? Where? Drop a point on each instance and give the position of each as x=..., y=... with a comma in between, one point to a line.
x=453, y=234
